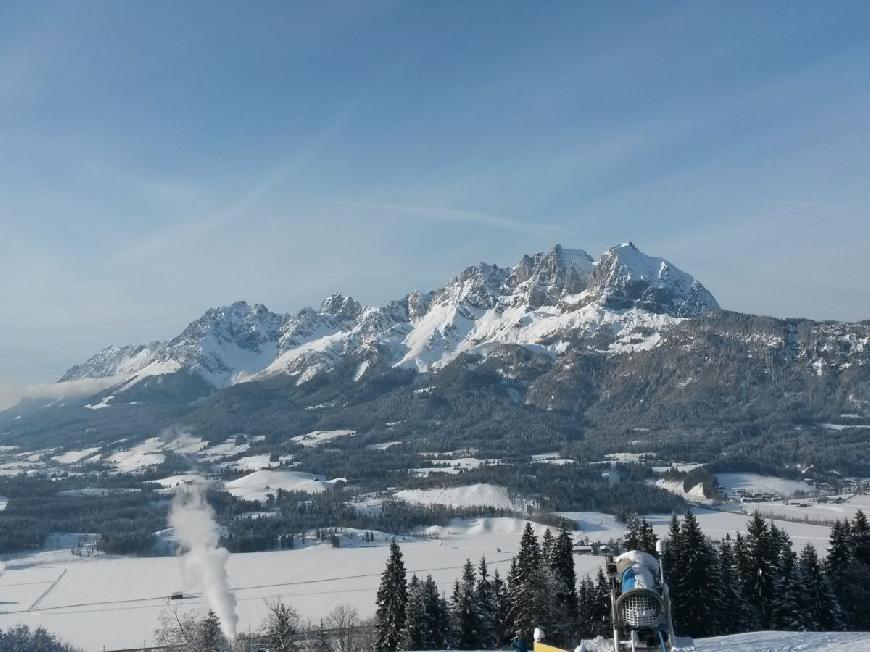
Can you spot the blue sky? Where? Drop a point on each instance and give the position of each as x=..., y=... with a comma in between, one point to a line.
x=160, y=158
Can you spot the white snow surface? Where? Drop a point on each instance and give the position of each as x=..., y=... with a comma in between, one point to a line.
x=74, y=457
x=259, y=484
x=473, y=495
x=116, y=602
x=141, y=456
x=318, y=437
x=756, y=483
x=786, y=642
x=809, y=509
x=252, y=463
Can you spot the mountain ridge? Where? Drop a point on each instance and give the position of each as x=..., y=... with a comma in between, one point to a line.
x=540, y=299
x=553, y=353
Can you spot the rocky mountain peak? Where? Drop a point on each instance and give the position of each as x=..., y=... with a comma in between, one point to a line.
x=479, y=286
x=625, y=277
x=246, y=325
x=545, y=277
x=341, y=306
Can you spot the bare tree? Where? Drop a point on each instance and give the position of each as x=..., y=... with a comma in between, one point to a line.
x=184, y=632
x=344, y=621
x=176, y=630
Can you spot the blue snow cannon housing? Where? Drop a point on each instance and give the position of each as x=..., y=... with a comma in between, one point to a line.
x=640, y=603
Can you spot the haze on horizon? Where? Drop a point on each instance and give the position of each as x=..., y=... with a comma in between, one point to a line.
x=156, y=161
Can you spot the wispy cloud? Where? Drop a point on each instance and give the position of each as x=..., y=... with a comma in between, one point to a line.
x=184, y=233
x=463, y=216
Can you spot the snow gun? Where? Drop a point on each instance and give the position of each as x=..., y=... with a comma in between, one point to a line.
x=640, y=603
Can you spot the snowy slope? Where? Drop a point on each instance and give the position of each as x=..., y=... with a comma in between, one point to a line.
x=786, y=642
x=549, y=300
x=755, y=483
x=486, y=495
x=259, y=484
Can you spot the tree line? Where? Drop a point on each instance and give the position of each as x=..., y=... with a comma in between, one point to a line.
x=484, y=611
x=756, y=581
x=752, y=582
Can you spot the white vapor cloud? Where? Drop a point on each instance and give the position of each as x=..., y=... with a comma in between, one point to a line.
x=69, y=388
x=193, y=520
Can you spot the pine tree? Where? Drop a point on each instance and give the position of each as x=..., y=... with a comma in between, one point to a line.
x=527, y=587
x=839, y=550
x=564, y=583
x=672, y=558
x=209, y=637
x=757, y=577
x=463, y=611
x=547, y=546
x=727, y=593
x=818, y=606
x=860, y=538
x=487, y=608
x=499, y=589
x=414, y=632
x=633, y=534
x=853, y=581
x=392, y=601
x=785, y=608
x=743, y=567
x=694, y=613
x=602, y=625
x=648, y=537
x=586, y=608
x=434, y=615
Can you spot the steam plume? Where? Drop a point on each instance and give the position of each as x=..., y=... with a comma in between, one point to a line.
x=193, y=520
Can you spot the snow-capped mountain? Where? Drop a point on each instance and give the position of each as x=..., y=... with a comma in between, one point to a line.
x=222, y=346
x=553, y=300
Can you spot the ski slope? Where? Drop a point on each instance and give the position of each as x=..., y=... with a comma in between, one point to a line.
x=787, y=642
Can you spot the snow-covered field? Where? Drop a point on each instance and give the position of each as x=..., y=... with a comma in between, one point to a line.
x=809, y=510
x=760, y=484
x=116, y=602
x=715, y=524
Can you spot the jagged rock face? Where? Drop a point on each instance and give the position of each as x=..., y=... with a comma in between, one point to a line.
x=248, y=327
x=477, y=287
x=625, y=278
x=341, y=306
x=111, y=361
x=554, y=300
x=545, y=278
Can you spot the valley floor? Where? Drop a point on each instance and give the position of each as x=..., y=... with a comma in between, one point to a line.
x=116, y=601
